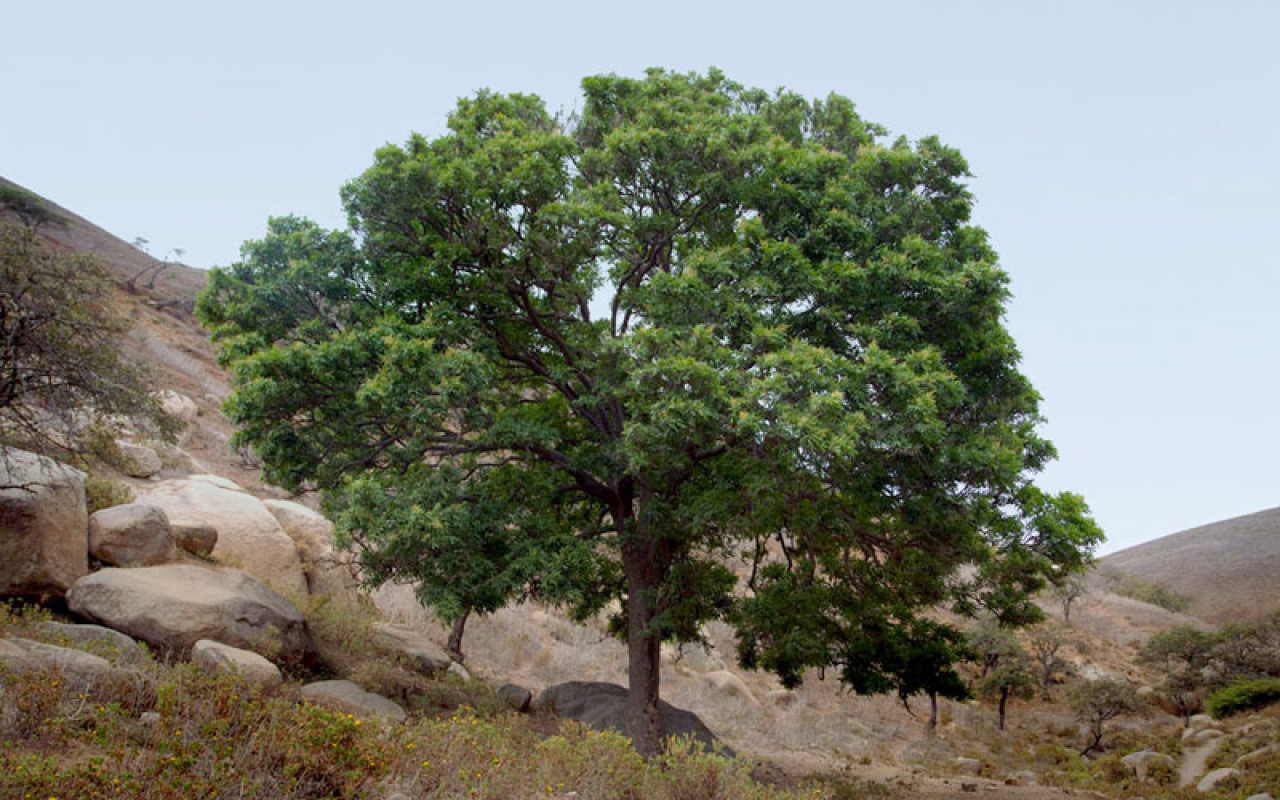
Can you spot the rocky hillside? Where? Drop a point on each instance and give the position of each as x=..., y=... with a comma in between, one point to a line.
x=1229, y=570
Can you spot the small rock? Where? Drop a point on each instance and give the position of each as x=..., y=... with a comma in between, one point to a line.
x=131, y=535
x=1263, y=796
x=783, y=698
x=111, y=645
x=1201, y=736
x=459, y=671
x=217, y=657
x=1202, y=721
x=347, y=696
x=968, y=765
x=179, y=405
x=729, y=686
x=1141, y=762
x=423, y=653
x=968, y=787
x=83, y=671
x=1256, y=757
x=1211, y=781
x=516, y=698
x=149, y=719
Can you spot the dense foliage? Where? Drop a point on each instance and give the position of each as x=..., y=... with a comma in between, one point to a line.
x=594, y=358
x=1244, y=696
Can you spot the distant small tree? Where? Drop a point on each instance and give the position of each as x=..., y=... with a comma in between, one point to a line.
x=30, y=209
x=1249, y=650
x=1096, y=702
x=1006, y=669
x=154, y=266
x=1067, y=591
x=1045, y=644
x=1182, y=654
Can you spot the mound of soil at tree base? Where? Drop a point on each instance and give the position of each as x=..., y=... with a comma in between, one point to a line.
x=1226, y=569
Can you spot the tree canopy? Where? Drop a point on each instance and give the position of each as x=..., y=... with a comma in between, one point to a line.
x=599, y=357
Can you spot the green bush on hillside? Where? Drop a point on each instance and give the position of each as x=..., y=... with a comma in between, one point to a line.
x=1244, y=696
x=1157, y=595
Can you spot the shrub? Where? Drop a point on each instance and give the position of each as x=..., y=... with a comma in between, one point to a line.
x=1244, y=696
x=100, y=493
x=1156, y=594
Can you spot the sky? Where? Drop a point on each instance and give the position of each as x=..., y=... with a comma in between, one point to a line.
x=1126, y=162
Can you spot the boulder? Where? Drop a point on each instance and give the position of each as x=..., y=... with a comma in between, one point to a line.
x=196, y=538
x=172, y=607
x=516, y=698
x=176, y=404
x=84, y=672
x=1212, y=780
x=139, y=461
x=1201, y=722
x=347, y=696
x=603, y=706
x=1263, y=796
x=218, y=657
x=44, y=547
x=424, y=654
x=327, y=572
x=131, y=535
x=249, y=537
x=111, y=645
x=727, y=685
x=1141, y=762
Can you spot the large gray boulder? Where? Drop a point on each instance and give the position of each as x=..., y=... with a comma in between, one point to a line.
x=329, y=572
x=603, y=706
x=249, y=538
x=131, y=535
x=218, y=657
x=43, y=522
x=350, y=698
x=172, y=607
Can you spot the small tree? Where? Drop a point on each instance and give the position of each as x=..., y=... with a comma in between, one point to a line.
x=1006, y=669
x=1096, y=702
x=153, y=266
x=1045, y=644
x=1182, y=654
x=1067, y=591
x=31, y=210
x=60, y=367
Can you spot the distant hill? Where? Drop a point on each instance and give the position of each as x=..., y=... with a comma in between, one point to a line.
x=1230, y=570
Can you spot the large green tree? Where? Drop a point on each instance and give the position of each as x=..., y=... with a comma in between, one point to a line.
x=609, y=354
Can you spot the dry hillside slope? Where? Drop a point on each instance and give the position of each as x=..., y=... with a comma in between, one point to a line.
x=1230, y=570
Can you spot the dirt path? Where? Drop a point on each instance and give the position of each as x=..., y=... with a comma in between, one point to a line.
x=1194, y=762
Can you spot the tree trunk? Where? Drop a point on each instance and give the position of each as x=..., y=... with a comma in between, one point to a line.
x=643, y=575
x=1004, y=700
x=933, y=711
x=455, y=635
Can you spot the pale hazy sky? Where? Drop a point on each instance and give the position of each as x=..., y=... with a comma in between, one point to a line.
x=1126, y=159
